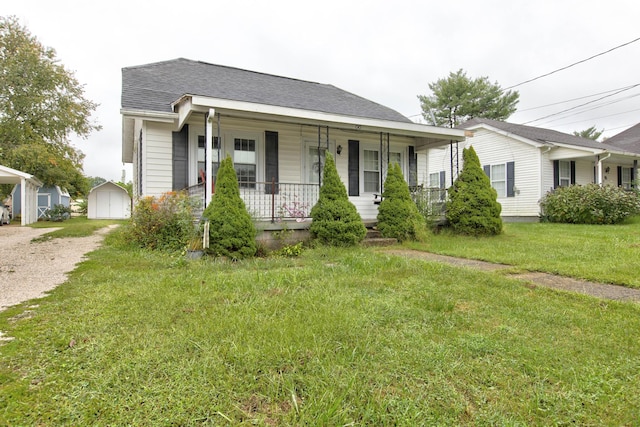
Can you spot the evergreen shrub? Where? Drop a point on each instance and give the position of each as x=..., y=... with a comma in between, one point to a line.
x=473, y=208
x=589, y=204
x=335, y=220
x=398, y=215
x=232, y=232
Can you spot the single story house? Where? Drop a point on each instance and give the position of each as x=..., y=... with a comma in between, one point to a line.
x=181, y=117
x=108, y=201
x=628, y=140
x=48, y=197
x=525, y=162
x=24, y=202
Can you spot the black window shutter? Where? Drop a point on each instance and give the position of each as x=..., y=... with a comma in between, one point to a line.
x=556, y=173
x=573, y=172
x=354, y=168
x=619, y=176
x=180, y=155
x=413, y=167
x=487, y=170
x=271, y=169
x=511, y=179
x=443, y=178
x=633, y=177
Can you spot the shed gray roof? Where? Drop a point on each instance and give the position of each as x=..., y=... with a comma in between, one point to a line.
x=628, y=140
x=153, y=87
x=536, y=134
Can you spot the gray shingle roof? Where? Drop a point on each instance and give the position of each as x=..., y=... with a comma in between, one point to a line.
x=153, y=87
x=536, y=134
x=628, y=140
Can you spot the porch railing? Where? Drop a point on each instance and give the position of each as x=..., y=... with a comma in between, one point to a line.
x=272, y=201
x=275, y=201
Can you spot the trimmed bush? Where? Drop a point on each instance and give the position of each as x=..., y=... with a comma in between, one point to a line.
x=164, y=223
x=589, y=204
x=398, y=215
x=231, y=229
x=473, y=207
x=336, y=220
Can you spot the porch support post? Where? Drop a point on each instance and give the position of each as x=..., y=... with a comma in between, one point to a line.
x=599, y=168
x=208, y=138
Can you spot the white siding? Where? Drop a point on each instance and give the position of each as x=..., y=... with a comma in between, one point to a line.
x=493, y=148
x=584, y=172
x=157, y=150
x=293, y=140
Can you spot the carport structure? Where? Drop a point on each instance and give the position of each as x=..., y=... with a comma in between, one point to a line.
x=29, y=186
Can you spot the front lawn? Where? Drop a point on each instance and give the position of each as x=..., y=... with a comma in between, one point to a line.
x=602, y=253
x=334, y=337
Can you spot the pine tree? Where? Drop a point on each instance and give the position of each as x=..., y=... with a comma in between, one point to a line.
x=231, y=229
x=473, y=208
x=398, y=215
x=336, y=220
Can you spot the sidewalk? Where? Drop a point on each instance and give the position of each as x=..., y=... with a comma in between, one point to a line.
x=598, y=290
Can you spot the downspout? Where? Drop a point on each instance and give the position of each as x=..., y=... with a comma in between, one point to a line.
x=599, y=161
x=208, y=193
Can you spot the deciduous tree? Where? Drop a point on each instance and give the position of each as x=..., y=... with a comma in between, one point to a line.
x=41, y=105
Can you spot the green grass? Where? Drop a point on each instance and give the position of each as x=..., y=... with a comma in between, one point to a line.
x=334, y=337
x=73, y=227
x=603, y=253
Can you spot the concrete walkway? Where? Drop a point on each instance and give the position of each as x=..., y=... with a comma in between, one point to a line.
x=599, y=290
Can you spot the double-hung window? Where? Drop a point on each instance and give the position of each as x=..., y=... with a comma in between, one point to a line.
x=202, y=156
x=564, y=173
x=502, y=177
x=371, y=168
x=625, y=180
x=244, y=161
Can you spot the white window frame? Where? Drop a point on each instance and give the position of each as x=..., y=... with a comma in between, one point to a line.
x=494, y=180
x=375, y=149
x=626, y=183
x=228, y=147
x=434, y=180
x=561, y=177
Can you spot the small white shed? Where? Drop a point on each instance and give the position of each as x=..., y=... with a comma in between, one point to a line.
x=108, y=201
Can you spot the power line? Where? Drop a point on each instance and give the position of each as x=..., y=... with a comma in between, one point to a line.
x=573, y=99
x=571, y=65
x=582, y=105
x=595, y=107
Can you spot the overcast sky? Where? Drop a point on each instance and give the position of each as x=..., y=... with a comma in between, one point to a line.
x=386, y=51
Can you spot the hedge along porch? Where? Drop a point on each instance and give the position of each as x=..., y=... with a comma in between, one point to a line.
x=277, y=131
x=28, y=194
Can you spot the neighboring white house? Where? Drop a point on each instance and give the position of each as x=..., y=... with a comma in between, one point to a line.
x=27, y=198
x=108, y=201
x=180, y=117
x=525, y=162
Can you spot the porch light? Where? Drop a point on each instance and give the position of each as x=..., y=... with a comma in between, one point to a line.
x=339, y=149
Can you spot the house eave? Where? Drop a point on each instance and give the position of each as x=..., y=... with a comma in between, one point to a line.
x=188, y=104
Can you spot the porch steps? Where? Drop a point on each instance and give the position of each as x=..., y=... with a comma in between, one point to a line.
x=374, y=238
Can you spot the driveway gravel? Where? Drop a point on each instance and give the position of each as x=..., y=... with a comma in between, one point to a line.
x=31, y=269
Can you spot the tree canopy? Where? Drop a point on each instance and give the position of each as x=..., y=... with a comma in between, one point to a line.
x=41, y=104
x=589, y=133
x=458, y=98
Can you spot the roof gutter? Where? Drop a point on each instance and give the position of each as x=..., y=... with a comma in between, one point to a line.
x=299, y=116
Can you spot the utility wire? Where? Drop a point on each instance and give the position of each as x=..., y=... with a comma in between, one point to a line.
x=582, y=105
x=595, y=107
x=571, y=65
x=573, y=99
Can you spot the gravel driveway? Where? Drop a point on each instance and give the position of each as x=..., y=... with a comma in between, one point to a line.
x=29, y=270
